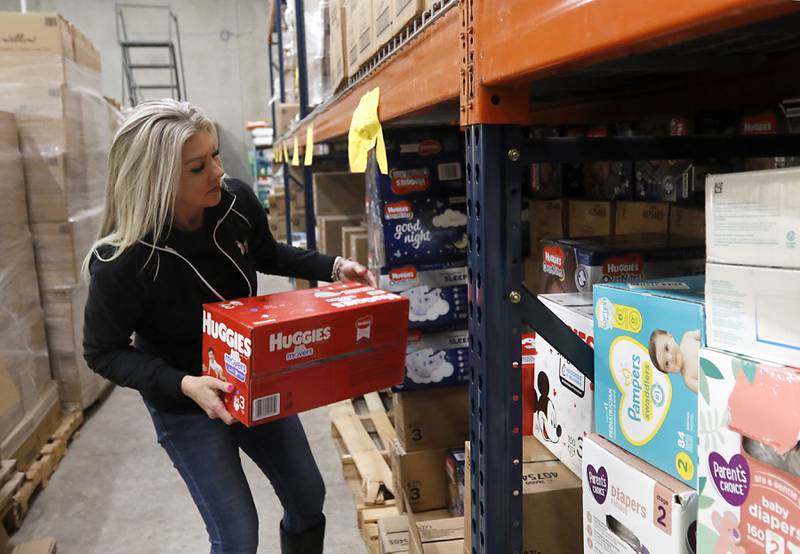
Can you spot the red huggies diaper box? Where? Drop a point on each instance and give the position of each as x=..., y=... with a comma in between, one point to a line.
x=290, y=352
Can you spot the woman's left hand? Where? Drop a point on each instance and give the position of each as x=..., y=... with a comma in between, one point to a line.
x=354, y=271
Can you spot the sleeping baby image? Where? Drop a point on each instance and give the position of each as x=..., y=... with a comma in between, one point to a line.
x=669, y=357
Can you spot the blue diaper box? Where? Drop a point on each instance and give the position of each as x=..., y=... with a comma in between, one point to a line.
x=647, y=368
x=418, y=212
x=436, y=360
x=437, y=293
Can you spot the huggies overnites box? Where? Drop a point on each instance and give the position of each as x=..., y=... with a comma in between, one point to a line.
x=647, y=341
x=290, y=352
x=749, y=460
x=631, y=507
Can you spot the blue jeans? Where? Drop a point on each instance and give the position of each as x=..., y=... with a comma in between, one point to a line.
x=206, y=454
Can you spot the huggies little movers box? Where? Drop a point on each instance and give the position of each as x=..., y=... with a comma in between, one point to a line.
x=647, y=347
x=290, y=352
x=749, y=459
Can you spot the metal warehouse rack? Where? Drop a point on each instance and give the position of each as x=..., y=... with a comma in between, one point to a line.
x=515, y=63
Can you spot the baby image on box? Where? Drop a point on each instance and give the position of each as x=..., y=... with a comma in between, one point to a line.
x=668, y=356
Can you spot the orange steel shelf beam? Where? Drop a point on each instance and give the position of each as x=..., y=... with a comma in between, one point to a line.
x=518, y=40
x=422, y=75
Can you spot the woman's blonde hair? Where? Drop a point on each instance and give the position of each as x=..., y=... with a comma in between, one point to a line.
x=144, y=168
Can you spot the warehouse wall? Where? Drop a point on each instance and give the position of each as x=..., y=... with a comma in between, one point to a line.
x=224, y=51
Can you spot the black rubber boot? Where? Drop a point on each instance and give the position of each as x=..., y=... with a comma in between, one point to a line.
x=307, y=542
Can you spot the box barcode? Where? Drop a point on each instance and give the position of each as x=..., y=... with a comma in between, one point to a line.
x=266, y=406
x=449, y=172
x=50, y=21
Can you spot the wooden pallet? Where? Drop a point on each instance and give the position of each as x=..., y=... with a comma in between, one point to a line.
x=38, y=475
x=362, y=429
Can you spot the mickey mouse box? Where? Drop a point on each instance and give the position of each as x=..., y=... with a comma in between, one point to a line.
x=290, y=352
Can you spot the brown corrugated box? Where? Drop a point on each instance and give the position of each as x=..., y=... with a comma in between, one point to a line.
x=635, y=218
x=359, y=249
x=338, y=44
x=383, y=21
x=47, y=33
x=590, y=218
x=434, y=418
x=438, y=536
x=687, y=222
x=365, y=30
x=351, y=8
x=339, y=193
x=406, y=10
x=85, y=52
x=14, y=208
x=421, y=474
x=330, y=232
x=61, y=247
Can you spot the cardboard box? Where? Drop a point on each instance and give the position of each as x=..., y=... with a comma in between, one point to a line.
x=339, y=193
x=26, y=439
x=284, y=117
x=528, y=387
x=352, y=13
x=551, y=502
x=438, y=536
x=78, y=386
x=418, y=212
x=564, y=408
x=753, y=311
x=437, y=293
x=577, y=265
x=61, y=247
x=40, y=546
x=421, y=475
x=337, y=45
x=435, y=418
x=383, y=21
x=289, y=352
x=329, y=229
x=455, y=481
x=647, y=342
x=85, y=52
x=347, y=232
x=752, y=218
x=687, y=222
x=365, y=30
x=41, y=33
x=14, y=208
x=359, y=249
x=747, y=455
x=405, y=11
x=11, y=409
x=632, y=507
x=532, y=274
x=589, y=218
x=436, y=359
x=277, y=225
x=635, y=218
x=276, y=201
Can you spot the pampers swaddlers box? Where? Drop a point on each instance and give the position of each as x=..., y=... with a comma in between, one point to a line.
x=749, y=461
x=647, y=345
x=418, y=212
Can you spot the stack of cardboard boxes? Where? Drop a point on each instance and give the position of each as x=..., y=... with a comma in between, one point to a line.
x=339, y=204
x=65, y=125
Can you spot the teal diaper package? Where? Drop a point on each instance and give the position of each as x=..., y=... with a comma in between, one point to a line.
x=647, y=368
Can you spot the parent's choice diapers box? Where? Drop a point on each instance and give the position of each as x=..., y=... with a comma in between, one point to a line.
x=749, y=460
x=647, y=363
x=289, y=352
x=754, y=311
x=564, y=404
x=630, y=507
x=418, y=212
x=753, y=218
x=436, y=360
x=437, y=293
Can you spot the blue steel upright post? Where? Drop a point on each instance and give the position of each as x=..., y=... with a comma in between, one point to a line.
x=494, y=179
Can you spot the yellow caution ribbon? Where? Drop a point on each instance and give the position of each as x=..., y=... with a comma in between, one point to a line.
x=295, y=153
x=366, y=133
x=309, y=155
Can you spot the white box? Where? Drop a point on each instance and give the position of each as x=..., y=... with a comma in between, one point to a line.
x=630, y=506
x=753, y=218
x=754, y=311
x=564, y=398
x=748, y=474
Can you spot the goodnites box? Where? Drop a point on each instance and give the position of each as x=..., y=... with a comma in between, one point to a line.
x=290, y=352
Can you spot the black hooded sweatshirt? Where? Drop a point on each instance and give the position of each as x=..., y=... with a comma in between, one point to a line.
x=157, y=295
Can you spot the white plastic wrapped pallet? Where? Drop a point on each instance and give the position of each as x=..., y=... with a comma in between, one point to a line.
x=65, y=134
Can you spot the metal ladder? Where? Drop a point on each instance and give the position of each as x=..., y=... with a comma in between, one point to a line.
x=169, y=52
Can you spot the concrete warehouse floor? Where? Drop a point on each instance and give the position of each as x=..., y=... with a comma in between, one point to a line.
x=116, y=491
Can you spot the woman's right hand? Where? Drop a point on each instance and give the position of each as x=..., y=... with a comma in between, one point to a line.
x=205, y=392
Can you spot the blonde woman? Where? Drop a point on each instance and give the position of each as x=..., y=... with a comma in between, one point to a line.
x=178, y=233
